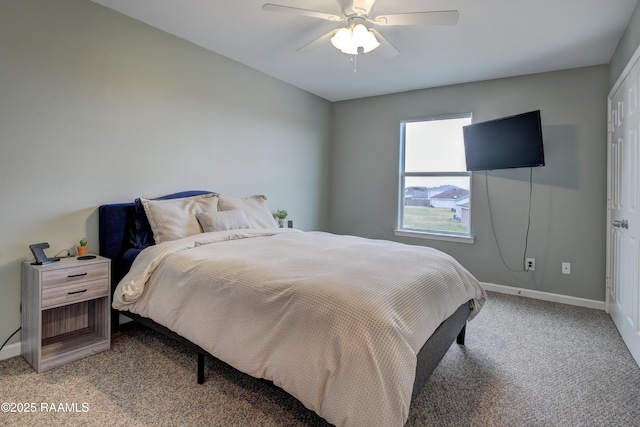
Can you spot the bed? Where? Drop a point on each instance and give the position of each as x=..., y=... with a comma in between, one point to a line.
x=339, y=322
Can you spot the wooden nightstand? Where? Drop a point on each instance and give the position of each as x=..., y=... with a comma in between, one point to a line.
x=65, y=311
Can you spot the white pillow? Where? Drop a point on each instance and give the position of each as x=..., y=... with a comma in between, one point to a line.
x=224, y=220
x=176, y=218
x=254, y=207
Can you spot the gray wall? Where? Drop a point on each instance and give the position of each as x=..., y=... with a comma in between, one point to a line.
x=569, y=193
x=626, y=47
x=98, y=108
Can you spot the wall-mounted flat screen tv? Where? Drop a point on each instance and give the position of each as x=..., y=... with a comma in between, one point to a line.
x=509, y=142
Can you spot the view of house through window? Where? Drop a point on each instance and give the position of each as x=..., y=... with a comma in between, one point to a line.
x=435, y=189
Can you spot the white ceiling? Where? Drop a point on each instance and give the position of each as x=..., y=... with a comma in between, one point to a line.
x=492, y=39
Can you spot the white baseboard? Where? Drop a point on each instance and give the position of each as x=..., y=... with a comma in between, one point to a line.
x=10, y=351
x=545, y=296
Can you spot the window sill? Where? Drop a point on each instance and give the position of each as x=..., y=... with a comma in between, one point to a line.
x=435, y=236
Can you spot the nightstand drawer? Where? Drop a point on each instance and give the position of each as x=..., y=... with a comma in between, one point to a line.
x=83, y=273
x=74, y=292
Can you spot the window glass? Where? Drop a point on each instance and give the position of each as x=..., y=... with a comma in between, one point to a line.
x=435, y=146
x=435, y=189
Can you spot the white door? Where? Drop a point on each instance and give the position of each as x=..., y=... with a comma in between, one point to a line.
x=623, y=252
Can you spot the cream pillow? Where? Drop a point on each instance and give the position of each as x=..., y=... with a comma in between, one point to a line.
x=254, y=207
x=176, y=218
x=224, y=220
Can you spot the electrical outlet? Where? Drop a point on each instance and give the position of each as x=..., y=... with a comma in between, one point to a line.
x=566, y=268
x=529, y=264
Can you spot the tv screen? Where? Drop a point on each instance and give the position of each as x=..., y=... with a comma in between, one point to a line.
x=509, y=142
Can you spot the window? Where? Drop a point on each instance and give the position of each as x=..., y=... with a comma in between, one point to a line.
x=435, y=187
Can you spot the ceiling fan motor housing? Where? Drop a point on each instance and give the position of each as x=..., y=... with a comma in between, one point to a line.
x=356, y=7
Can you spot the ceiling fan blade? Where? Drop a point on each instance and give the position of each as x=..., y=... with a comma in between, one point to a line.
x=304, y=12
x=445, y=17
x=325, y=39
x=386, y=49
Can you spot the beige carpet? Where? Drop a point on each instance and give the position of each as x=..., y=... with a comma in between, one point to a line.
x=526, y=363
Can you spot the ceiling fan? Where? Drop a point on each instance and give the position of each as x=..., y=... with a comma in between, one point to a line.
x=356, y=37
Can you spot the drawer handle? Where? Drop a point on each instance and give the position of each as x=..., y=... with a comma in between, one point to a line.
x=71, y=276
x=76, y=292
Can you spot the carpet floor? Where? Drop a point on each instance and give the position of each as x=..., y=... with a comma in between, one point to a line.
x=525, y=363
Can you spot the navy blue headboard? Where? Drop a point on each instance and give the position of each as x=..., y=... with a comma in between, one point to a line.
x=119, y=229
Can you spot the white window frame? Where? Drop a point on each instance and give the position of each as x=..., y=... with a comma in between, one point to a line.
x=428, y=234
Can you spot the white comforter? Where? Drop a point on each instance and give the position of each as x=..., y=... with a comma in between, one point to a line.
x=336, y=321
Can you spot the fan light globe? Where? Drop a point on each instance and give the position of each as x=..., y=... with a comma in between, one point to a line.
x=342, y=39
x=359, y=35
x=370, y=42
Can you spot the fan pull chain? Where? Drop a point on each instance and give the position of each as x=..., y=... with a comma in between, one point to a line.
x=354, y=61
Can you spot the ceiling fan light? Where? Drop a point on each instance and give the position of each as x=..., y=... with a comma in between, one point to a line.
x=350, y=50
x=341, y=39
x=359, y=34
x=370, y=42
x=349, y=40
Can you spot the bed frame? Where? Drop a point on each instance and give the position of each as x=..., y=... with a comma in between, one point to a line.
x=116, y=222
